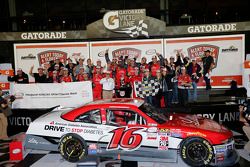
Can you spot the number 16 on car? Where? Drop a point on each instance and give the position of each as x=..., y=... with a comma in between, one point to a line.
x=126, y=139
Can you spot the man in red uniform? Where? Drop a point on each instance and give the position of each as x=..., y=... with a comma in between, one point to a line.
x=143, y=65
x=80, y=75
x=136, y=78
x=184, y=83
x=98, y=64
x=97, y=87
x=155, y=65
x=66, y=77
x=131, y=67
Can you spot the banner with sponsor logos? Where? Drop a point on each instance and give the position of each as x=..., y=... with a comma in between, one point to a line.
x=131, y=48
x=35, y=54
x=228, y=53
x=48, y=95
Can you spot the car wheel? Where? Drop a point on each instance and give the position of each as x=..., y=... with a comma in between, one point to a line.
x=196, y=151
x=73, y=148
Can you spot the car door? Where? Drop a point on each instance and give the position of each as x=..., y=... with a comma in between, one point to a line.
x=125, y=129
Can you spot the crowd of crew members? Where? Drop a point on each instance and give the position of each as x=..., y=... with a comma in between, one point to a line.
x=115, y=78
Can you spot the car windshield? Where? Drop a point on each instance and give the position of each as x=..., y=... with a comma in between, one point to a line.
x=153, y=113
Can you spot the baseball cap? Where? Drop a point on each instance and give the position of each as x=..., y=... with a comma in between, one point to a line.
x=54, y=72
x=19, y=69
x=183, y=68
x=158, y=70
x=98, y=60
x=107, y=72
x=81, y=68
x=65, y=69
x=98, y=67
x=193, y=59
x=207, y=51
x=56, y=65
x=136, y=68
x=171, y=57
x=40, y=67
x=146, y=70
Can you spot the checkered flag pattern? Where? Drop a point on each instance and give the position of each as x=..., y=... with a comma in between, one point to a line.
x=135, y=31
x=143, y=89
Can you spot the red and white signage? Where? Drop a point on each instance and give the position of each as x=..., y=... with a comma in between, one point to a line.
x=228, y=52
x=131, y=48
x=35, y=54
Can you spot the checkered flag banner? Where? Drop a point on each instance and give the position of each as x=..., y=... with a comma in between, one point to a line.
x=143, y=89
x=135, y=31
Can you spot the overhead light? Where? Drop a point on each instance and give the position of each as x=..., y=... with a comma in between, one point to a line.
x=216, y=13
x=63, y=21
x=24, y=21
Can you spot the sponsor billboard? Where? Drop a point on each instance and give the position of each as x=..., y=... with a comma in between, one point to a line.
x=131, y=48
x=228, y=53
x=49, y=95
x=29, y=54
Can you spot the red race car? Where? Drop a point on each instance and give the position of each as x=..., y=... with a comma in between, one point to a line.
x=130, y=125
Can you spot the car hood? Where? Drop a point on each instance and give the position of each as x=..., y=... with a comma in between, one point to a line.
x=194, y=121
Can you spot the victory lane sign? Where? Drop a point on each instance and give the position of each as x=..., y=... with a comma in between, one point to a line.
x=131, y=22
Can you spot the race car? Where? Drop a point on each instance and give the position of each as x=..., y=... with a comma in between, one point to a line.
x=130, y=125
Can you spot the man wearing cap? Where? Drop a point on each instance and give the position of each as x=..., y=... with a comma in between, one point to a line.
x=66, y=77
x=54, y=78
x=121, y=85
x=108, y=86
x=136, y=78
x=20, y=77
x=40, y=77
x=143, y=65
x=81, y=65
x=80, y=75
x=97, y=87
x=194, y=71
x=131, y=67
x=184, y=83
x=98, y=64
x=154, y=65
x=89, y=68
x=208, y=63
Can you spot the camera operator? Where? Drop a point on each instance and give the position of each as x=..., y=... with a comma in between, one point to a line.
x=5, y=111
x=245, y=118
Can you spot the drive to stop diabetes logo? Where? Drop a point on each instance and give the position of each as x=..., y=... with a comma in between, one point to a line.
x=131, y=22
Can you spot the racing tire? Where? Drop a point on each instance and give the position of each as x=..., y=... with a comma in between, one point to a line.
x=196, y=151
x=73, y=148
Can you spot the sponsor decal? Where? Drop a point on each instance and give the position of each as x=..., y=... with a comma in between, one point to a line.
x=90, y=131
x=220, y=149
x=124, y=138
x=51, y=55
x=176, y=134
x=220, y=157
x=29, y=57
x=92, y=149
x=4, y=86
x=131, y=22
x=163, y=143
x=151, y=136
x=7, y=72
x=131, y=52
x=16, y=151
x=54, y=128
x=34, y=141
x=164, y=132
x=196, y=134
x=197, y=52
x=230, y=49
x=212, y=28
x=43, y=35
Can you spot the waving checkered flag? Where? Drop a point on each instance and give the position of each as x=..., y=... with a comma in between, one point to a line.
x=135, y=31
x=146, y=88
